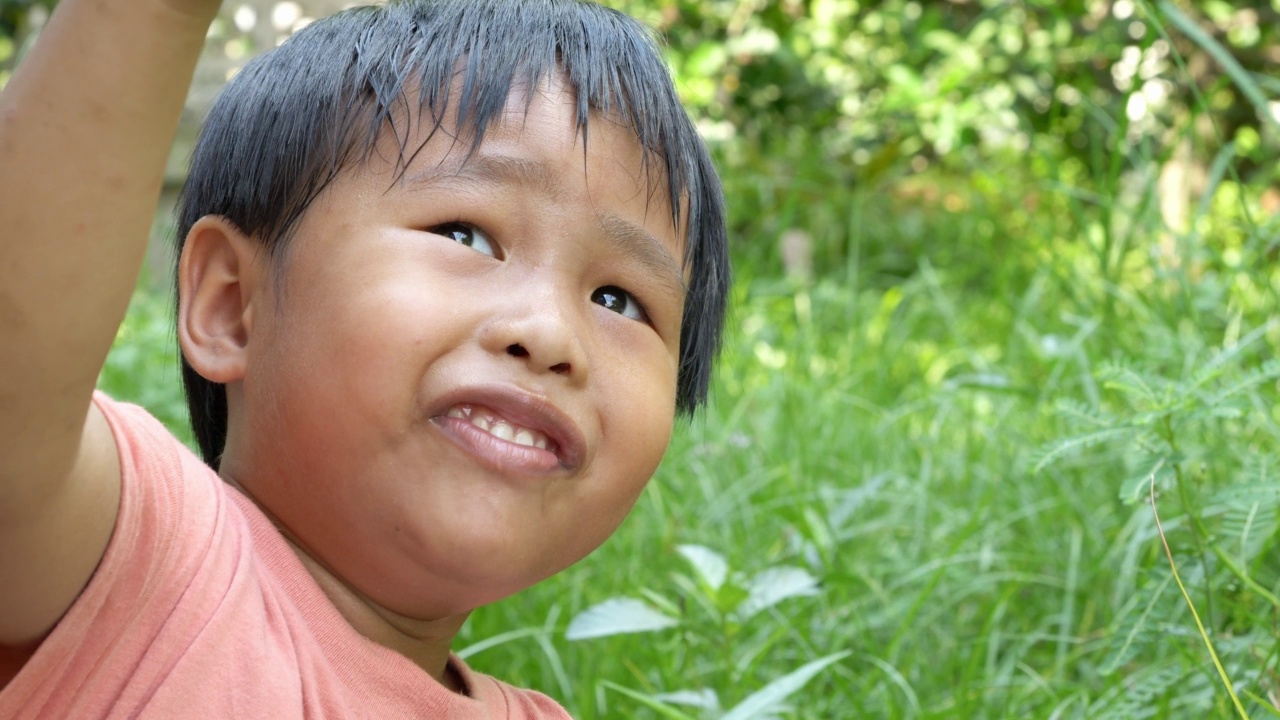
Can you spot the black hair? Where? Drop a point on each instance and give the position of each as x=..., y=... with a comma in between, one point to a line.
x=298, y=116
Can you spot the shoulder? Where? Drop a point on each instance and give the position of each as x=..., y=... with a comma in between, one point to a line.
x=169, y=499
x=144, y=442
x=168, y=563
x=171, y=505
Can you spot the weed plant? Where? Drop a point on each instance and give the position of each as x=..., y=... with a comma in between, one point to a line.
x=944, y=462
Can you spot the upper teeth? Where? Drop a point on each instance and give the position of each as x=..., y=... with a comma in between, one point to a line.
x=500, y=428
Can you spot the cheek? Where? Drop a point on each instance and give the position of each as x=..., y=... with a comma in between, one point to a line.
x=321, y=381
x=638, y=423
x=636, y=456
x=357, y=333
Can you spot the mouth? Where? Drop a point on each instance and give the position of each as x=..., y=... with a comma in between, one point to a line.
x=501, y=428
x=511, y=431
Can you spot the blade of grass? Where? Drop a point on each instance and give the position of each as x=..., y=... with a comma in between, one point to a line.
x=1217, y=664
x=650, y=702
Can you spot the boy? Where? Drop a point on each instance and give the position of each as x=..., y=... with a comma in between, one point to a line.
x=448, y=270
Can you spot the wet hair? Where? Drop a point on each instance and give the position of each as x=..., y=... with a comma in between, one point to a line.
x=297, y=117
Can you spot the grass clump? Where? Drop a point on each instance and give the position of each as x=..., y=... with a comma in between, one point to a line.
x=960, y=459
x=940, y=450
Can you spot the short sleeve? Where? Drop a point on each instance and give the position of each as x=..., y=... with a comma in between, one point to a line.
x=169, y=508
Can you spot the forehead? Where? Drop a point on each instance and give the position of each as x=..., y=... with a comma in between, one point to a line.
x=461, y=132
x=535, y=144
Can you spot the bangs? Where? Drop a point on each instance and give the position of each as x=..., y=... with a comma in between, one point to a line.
x=467, y=58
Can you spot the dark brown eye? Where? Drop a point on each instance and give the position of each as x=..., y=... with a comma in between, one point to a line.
x=465, y=234
x=612, y=297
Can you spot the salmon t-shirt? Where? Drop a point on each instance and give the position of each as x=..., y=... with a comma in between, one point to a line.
x=199, y=609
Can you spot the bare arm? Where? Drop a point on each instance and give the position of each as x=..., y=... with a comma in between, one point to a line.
x=85, y=126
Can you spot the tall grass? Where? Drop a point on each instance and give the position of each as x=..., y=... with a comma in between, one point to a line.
x=960, y=442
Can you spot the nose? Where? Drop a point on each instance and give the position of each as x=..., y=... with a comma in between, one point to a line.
x=538, y=329
x=519, y=350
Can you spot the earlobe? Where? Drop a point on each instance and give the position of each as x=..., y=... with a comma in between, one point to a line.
x=218, y=279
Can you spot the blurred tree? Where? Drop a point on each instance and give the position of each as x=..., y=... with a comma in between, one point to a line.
x=807, y=97
x=951, y=76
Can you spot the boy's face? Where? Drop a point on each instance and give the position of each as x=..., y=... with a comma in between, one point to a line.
x=461, y=381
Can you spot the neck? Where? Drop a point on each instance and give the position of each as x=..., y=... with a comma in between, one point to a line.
x=426, y=643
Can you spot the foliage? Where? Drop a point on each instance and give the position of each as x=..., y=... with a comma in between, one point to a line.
x=807, y=95
x=143, y=364
x=718, y=607
x=1026, y=304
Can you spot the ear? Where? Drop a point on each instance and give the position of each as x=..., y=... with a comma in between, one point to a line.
x=220, y=276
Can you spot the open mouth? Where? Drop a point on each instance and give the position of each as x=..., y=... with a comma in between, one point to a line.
x=500, y=427
x=511, y=431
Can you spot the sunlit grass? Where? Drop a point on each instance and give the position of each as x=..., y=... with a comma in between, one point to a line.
x=958, y=454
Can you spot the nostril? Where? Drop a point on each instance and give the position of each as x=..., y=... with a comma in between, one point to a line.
x=519, y=351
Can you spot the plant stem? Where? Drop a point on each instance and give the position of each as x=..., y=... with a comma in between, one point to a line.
x=1217, y=664
x=1198, y=533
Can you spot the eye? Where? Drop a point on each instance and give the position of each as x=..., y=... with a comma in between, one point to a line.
x=464, y=234
x=612, y=297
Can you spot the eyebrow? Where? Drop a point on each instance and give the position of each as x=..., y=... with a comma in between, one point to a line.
x=624, y=236
x=636, y=243
x=488, y=170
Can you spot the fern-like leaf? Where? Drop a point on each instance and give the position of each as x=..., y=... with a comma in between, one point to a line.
x=1135, y=626
x=1268, y=372
x=1076, y=443
x=1213, y=369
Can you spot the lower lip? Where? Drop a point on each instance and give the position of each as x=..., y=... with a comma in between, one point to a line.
x=495, y=453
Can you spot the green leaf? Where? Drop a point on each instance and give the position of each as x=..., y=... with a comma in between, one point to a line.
x=1246, y=494
x=1138, y=489
x=705, y=698
x=762, y=701
x=1249, y=529
x=709, y=564
x=617, y=616
x=1078, y=442
x=1262, y=702
x=1269, y=371
x=772, y=586
x=1134, y=626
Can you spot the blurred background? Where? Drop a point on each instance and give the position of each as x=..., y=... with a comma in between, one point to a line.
x=1006, y=289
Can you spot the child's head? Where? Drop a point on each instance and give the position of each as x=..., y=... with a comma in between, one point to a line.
x=495, y=267
x=299, y=116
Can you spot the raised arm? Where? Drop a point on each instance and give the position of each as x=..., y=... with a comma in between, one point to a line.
x=85, y=126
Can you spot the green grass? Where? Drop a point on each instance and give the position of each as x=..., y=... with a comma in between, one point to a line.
x=964, y=472
x=888, y=441
x=959, y=449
